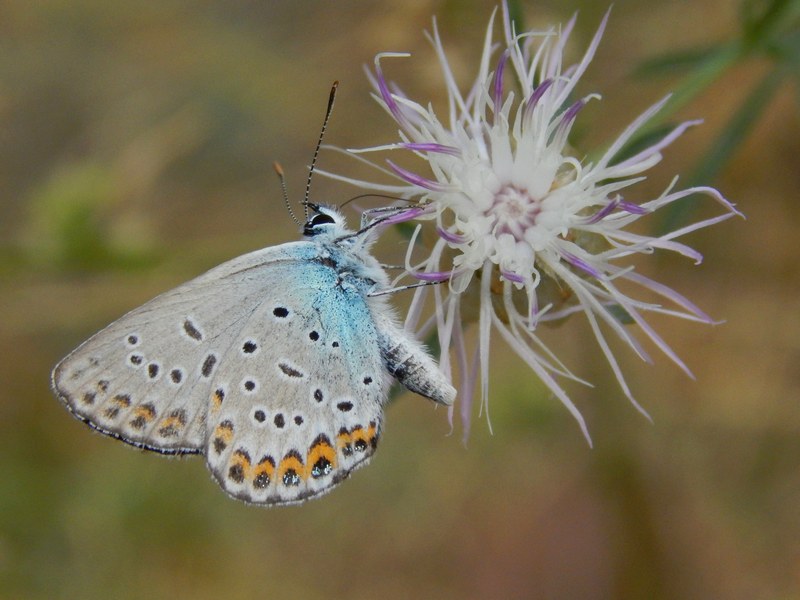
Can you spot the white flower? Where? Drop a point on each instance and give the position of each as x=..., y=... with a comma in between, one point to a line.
x=526, y=228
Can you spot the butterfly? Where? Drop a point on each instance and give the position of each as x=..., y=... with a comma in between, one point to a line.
x=275, y=366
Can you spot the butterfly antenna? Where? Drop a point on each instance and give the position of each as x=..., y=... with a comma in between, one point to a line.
x=279, y=170
x=370, y=195
x=319, y=144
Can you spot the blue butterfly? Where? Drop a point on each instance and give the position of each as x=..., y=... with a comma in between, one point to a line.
x=275, y=366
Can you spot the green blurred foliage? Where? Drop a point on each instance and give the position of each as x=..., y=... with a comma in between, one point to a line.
x=135, y=144
x=66, y=229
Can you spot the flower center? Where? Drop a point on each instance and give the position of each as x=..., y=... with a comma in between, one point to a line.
x=513, y=211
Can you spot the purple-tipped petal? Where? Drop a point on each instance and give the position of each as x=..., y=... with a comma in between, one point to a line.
x=431, y=147
x=632, y=208
x=536, y=96
x=415, y=179
x=602, y=213
x=670, y=294
x=628, y=207
x=658, y=146
x=580, y=264
x=383, y=89
x=572, y=112
x=512, y=277
x=452, y=238
x=434, y=276
x=498, y=82
x=404, y=215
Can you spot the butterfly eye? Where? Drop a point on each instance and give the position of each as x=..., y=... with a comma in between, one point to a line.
x=311, y=226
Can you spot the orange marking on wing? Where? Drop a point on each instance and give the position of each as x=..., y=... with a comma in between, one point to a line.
x=216, y=400
x=121, y=400
x=359, y=434
x=144, y=412
x=265, y=467
x=241, y=459
x=171, y=422
x=372, y=432
x=365, y=438
x=292, y=462
x=224, y=431
x=322, y=449
x=344, y=439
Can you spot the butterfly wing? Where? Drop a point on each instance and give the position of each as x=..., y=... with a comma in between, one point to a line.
x=145, y=379
x=299, y=398
x=266, y=364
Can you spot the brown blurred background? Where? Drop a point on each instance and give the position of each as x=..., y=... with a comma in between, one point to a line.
x=136, y=140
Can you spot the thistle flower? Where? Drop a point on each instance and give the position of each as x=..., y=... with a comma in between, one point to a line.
x=524, y=226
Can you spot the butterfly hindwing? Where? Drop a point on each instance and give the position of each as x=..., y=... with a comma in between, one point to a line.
x=299, y=397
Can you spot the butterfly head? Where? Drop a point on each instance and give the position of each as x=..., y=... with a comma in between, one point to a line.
x=324, y=222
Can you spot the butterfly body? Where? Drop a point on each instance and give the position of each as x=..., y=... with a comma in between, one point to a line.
x=276, y=366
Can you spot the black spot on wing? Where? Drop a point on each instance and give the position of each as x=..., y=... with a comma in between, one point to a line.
x=289, y=370
x=208, y=365
x=236, y=473
x=191, y=330
x=153, y=370
x=176, y=375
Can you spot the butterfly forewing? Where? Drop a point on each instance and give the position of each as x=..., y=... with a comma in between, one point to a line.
x=147, y=377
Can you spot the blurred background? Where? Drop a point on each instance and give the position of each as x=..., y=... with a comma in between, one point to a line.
x=136, y=142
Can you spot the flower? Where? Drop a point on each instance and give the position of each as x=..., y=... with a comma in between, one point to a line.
x=525, y=230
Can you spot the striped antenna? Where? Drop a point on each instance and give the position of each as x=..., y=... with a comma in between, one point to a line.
x=319, y=144
x=279, y=170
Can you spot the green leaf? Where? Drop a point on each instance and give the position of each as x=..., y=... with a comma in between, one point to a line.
x=726, y=144
x=738, y=127
x=764, y=20
x=667, y=64
x=69, y=225
x=620, y=314
x=405, y=229
x=786, y=50
x=515, y=13
x=703, y=75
